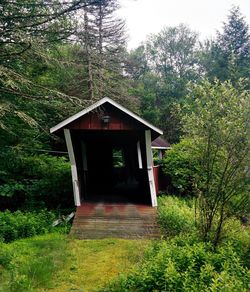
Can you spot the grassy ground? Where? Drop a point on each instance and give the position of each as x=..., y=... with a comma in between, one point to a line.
x=55, y=263
x=94, y=262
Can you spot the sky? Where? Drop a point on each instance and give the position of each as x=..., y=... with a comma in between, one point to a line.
x=144, y=17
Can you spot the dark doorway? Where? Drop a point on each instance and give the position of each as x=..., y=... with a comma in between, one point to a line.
x=112, y=172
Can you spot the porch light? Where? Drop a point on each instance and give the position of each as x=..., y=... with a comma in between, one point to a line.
x=105, y=119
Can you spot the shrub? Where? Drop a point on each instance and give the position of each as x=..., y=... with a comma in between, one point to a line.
x=175, y=216
x=24, y=224
x=181, y=165
x=216, y=117
x=171, y=266
x=239, y=237
x=34, y=181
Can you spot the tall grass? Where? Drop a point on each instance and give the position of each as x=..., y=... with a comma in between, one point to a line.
x=175, y=215
x=26, y=265
x=183, y=262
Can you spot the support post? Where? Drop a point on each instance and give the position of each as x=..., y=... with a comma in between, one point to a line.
x=149, y=157
x=75, y=180
x=139, y=154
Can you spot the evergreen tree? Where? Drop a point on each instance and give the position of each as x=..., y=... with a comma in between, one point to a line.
x=229, y=55
x=102, y=39
x=30, y=28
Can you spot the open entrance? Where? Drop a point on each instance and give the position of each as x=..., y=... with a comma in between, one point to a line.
x=109, y=168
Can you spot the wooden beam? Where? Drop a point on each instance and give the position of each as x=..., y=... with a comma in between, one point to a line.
x=139, y=154
x=75, y=180
x=149, y=157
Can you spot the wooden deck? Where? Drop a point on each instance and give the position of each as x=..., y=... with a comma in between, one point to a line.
x=99, y=220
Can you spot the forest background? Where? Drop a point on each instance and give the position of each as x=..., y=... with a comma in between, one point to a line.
x=58, y=57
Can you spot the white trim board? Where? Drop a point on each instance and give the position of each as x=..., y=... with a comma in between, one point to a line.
x=160, y=148
x=74, y=174
x=149, y=158
x=96, y=105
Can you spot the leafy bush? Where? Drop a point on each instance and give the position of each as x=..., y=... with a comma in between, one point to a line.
x=34, y=181
x=175, y=216
x=216, y=117
x=184, y=263
x=181, y=165
x=24, y=224
x=181, y=266
x=239, y=237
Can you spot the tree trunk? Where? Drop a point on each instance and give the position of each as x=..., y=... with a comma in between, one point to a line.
x=89, y=60
x=100, y=49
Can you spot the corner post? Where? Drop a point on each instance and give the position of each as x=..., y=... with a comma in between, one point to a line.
x=75, y=180
x=149, y=157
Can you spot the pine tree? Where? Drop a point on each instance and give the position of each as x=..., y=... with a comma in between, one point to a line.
x=103, y=39
x=235, y=38
x=229, y=54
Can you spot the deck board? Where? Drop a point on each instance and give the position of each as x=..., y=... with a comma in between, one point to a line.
x=101, y=220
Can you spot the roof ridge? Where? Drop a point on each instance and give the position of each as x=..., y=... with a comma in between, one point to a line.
x=99, y=103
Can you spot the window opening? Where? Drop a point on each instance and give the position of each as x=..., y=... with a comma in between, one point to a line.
x=118, y=158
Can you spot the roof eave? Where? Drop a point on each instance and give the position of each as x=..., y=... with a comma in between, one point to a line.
x=97, y=104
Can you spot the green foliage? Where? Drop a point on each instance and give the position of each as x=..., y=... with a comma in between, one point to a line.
x=239, y=237
x=228, y=57
x=172, y=52
x=34, y=180
x=55, y=262
x=161, y=69
x=216, y=119
x=26, y=265
x=148, y=95
x=24, y=224
x=175, y=215
x=184, y=263
x=179, y=266
x=182, y=165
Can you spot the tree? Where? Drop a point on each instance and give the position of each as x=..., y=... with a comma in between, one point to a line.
x=172, y=52
x=102, y=39
x=136, y=63
x=228, y=57
x=31, y=101
x=20, y=21
x=168, y=63
x=30, y=32
x=217, y=119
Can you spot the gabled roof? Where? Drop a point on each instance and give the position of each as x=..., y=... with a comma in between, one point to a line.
x=96, y=105
x=160, y=143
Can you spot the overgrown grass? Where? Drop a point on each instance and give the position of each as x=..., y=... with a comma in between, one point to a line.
x=54, y=262
x=180, y=263
x=95, y=262
x=176, y=215
x=29, y=264
x=183, y=262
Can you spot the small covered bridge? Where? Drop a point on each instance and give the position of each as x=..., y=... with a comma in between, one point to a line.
x=112, y=169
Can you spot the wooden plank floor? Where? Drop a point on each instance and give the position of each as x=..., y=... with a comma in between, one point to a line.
x=101, y=220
